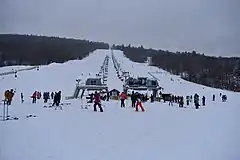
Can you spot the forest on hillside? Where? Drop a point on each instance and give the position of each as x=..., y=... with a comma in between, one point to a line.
x=32, y=50
x=217, y=72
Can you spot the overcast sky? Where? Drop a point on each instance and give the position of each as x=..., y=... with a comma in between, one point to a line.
x=209, y=26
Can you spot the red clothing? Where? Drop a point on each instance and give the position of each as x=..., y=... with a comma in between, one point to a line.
x=123, y=96
x=97, y=98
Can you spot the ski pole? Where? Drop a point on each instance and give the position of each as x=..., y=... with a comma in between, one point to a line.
x=7, y=111
x=4, y=110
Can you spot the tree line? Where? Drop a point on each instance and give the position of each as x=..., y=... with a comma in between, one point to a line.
x=32, y=50
x=217, y=72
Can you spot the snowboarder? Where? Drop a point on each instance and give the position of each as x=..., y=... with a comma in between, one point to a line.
x=122, y=99
x=97, y=102
x=213, y=97
x=22, y=100
x=203, y=100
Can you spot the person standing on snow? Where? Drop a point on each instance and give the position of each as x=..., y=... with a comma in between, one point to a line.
x=196, y=101
x=203, y=100
x=122, y=99
x=97, y=102
x=133, y=99
x=181, y=102
x=22, y=100
x=52, y=95
x=45, y=97
x=34, y=97
x=139, y=103
x=213, y=97
x=57, y=98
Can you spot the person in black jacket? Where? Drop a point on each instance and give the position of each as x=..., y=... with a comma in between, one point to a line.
x=57, y=98
x=133, y=99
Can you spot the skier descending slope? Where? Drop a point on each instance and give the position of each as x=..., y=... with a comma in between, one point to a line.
x=97, y=102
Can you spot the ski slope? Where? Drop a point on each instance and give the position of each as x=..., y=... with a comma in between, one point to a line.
x=162, y=132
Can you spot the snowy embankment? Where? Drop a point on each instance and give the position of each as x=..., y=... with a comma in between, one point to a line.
x=162, y=132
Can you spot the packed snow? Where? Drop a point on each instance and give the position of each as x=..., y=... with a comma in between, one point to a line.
x=162, y=132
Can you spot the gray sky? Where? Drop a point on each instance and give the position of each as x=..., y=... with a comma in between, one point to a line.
x=209, y=26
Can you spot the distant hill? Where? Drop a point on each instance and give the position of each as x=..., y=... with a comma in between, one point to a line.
x=31, y=49
x=217, y=72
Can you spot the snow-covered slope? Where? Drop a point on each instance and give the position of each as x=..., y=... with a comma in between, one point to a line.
x=162, y=132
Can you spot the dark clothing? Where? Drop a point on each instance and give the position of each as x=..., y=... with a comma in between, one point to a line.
x=133, y=99
x=214, y=97
x=133, y=104
x=203, y=100
x=57, y=98
x=52, y=95
x=122, y=102
x=22, y=100
x=99, y=105
x=196, y=101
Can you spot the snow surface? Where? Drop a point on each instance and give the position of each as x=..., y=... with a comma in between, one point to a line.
x=162, y=132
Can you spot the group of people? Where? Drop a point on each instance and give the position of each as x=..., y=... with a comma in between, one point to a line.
x=136, y=99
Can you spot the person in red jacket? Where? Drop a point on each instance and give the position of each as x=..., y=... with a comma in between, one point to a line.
x=122, y=99
x=97, y=102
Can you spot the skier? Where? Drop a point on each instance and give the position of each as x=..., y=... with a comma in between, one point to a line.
x=133, y=99
x=22, y=100
x=97, y=102
x=57, y=99
x=122, y=99
x=224, y=98
x=191, y=98
x=181, y=102
x=213, y=97
x=152, y=99
x=45, y=97
x=139, y=103
x=171, y=100
x=34, y=97
x=52, y=95
x=196, y=101
x=203, y=100
x=6, y=94
x=188, y=99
